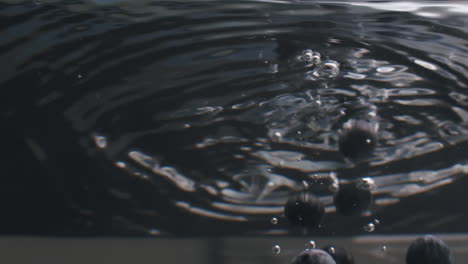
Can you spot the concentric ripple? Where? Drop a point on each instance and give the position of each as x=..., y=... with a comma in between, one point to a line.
x=204, y=117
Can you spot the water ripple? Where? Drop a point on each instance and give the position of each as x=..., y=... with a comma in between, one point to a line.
x=218, y=112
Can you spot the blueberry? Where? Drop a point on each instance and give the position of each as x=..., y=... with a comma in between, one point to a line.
x=340, y=255
x=357, y=140
x=304, y=210
x=313, y=256
x=352, y=200
x=428, y=250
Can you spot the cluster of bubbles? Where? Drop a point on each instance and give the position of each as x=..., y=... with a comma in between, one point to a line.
x=320, y=68
x=356, y=142
x=423, y=250
x=310, y=57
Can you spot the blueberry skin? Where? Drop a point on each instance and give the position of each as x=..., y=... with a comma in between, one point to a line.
x=428, y=250
x=350, y=200
x=304, y=210
x=357, y=140
x=313, y=256
x=340, y=255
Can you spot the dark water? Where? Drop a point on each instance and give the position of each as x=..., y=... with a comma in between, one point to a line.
x=202, y=117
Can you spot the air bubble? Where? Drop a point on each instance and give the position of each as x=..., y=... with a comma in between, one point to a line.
x=310, y=244
x=383, y=248
x=310, y=56
x=366, y=184
x=339, y=254
x=369, y=228
x=273, y=68
x=274, y=220
x=276, y=249
x=327, y=69
x=101, y=141
x=305, y=184
x=334, y=187
x=277, y=135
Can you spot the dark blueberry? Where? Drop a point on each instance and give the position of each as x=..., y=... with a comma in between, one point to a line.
x=352, y=199
x=340, y=255
x=313, y=256
x=428, y=250
x=357, y=140
x=304, y=210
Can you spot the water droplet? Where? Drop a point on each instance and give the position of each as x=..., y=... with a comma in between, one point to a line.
x=350, y=200
x=430, y=249
x=299, y=132
x=274, y=220
x=376, y=221
x=331, y=250
x=354, y=139
x=383, y=248
x=80, y=76
x=313, y=256
x=101, y=141
x=187, y=125
x=310, y=244
x=276, y=249
x=369, y=228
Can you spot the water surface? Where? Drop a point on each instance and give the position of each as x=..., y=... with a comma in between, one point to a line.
x=156, y=118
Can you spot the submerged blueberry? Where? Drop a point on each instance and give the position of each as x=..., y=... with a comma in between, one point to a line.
x=305, y=210
x=352, y=200
x=358, y=139
x=313, y=256
x=340, y=255
x=428, y=250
